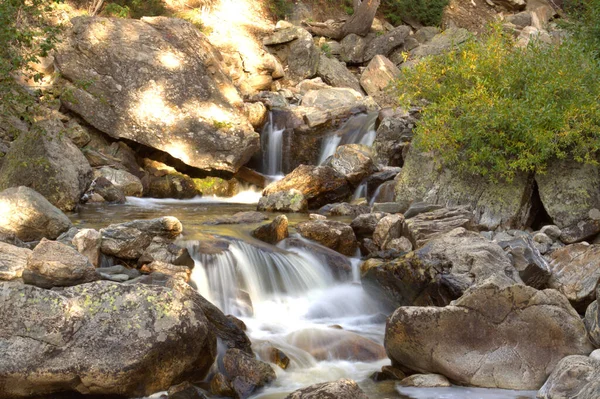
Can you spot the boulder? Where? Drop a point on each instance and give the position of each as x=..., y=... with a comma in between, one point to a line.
x=13, y=260
x=425, y=381
x=442, y=42
x=185, y=390
x=335, y=73
x=570, y=193
x=163, y=249
x=574, y=376
x=332, y=98
x=387, y=207
x=439, y=272
x=124, y=181
x=423, y=227
x=575, y=271
x=386, y=43
x=516, y=335
x=364, y=225
x=206, y=127
x=340, y=389
x=53, y=264
x=353, y=48
x=354, y=161
x=273, y=232
x=48, y=162
x=129, y=240
x=592, y=323
x=300, y=54
x=387, y=229
x=240, y=365
x=101, y=338
x=221, y=386
x=173, y=185
x=385, y=175
x=386, y=193
x=331, y=234
x=394, y=134
x=29, y=216
x=496, y=205
x=343, y=209
x=379, y=75
x=174, y=271
x=103, y=187
x=319, y=185
x=527, y=260
x=283, y=201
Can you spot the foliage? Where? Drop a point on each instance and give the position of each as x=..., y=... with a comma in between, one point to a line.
x=134, y=8
x=585, y=23
x=280, y=8
x=326, y=49
x=427, y=12
x=494, y=109
x=25, y=37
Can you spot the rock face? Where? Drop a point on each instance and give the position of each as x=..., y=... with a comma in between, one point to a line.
x=331, y=234
x=575, y=271
x=393, y=135
x=295, y=47
x=385, y=44
x=53, y=264
x=100, y=338
x=129, y=240
x=504, y=205
x=12, y=261
x=341, y=389
x=353, y=161
x=28, y=215
x=273, y=232
x=283, y=201
x=574, y=377
x=439, y=272
x=525, y=257
x=157, y=106
x=378, y=75
x=515, y=338
x=426, y=226
x=122, y=180
x=319, y=185
x=335, y=74
x=47, y=161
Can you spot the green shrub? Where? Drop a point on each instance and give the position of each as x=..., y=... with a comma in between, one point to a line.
x=134, y=8
x=585, y=22
x=427, y=12
x=493, y=109
x=280, y=9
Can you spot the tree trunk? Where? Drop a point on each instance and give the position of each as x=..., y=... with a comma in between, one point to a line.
x=362, y=19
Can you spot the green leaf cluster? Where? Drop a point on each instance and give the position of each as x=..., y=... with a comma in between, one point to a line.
x=427, y=12
x=495, y=109
x=134, y=8
x=585, y=22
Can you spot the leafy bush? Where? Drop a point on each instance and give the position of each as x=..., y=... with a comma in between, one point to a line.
x=585, y=22
x=135, y=8
x=427, y=12
x=494, y=109
x=280, y=8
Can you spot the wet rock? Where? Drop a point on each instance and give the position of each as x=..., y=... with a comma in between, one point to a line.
x=207, y=128
x=425, y=381
x=386, y=43
x=388, y=228
x=29, y=216
x=48, y=162
x=353, y=161
x=378, y=75
x=239, y=218
x=575, y=271
x=525, y=257
x=273, y=232
x=173, y=185
x=516, y=336
x=13, y=260
x=387, y=174
x=129, y=240
x=108, y=191
x=87, y=242
x=340, y=389
x=364, y=225
x=53, y=264
x=335, y=74
x=439, y=272
x=318, y=184
x=573, y=377
x=221, y=386
x=124, y=181
x=131, y=340
x=385, y=193
x=283, y=201
x=185, y=390
x=394, y=134
x=274, y=355
x=344, y=209
x=162, y=249
x=316, y=216
x=425, y=226
x=334, y=235
x=249, y=371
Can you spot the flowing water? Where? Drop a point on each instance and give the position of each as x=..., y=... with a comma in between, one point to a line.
x=359, y=129
x=272, y=149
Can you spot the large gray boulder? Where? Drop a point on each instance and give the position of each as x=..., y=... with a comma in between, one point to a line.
x=386, y=43
x=294, y=47
x=131, y=79
x=354, y=161
x=124, y=181
x=574, y=377
x=29, y=216
x=423, y=227
x=515, y=337
x=442, y=42
x=340, y=389
x=394, y=134
x=46, y=160
x=100, y=338
x=336, y=74
x=331, y=234
x=13, y=260
x=378, y=76
x=526, y=258
x=502, y=204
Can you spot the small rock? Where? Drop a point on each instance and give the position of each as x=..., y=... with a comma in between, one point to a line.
x=316, y=216
x=185, y=390
x=341, y=389
x=542, y=239
x=551, y=231
x=221, y=386
x=425, y=381
x=388, y=228
x=387, y=207
x=331, y=234
x=87, y=242
x=273, y=232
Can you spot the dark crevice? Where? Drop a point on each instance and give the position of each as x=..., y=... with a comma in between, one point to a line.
x=538, y=217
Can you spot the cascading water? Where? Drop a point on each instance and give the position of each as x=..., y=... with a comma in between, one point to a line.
x=272, y=149
x=359, y=129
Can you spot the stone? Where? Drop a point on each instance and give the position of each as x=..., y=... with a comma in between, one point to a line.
x=495, y=205
x=520, y=20
x=425, y=226
x=574, y=376
x=575, y=271
x=426, y=33
x=48, y=162
x=273, y=232
x=352, y=48
x=335, y=74
x=316, y=216
x=416, y=208
x=13, y=260
x=241, y=365
x=119, y=270
x=173, y=185
x=205, y=123
x=394, y=134
x=354, y=161
x=516, y=336
x=29, y=216
x=266, y=350
x=402, y=245
x=340, y=389
x=319, y=185
x=385, y=175
x=124, y=181
x=87, y=242
x=162, y=249
x=221, y=386
x=387, y=207
x=592, y=323
x=425, y=381
x=283, y=201
x=101, y=338
x=442, y=42
x=386, y=43
x=344, y=209
x=364, y=225
x=379, y=75
x=301, y=55
x=551, y=231
x=103, y=187
x=336, y=97
x=331, y=234
x=53, y=264
x=527, y=260
x=583, y=230
x=239, y=218
x=178, y=272
x=439, y=272
x=129, y=240
x=387, y=229
x=542, y=238
x=185, y=390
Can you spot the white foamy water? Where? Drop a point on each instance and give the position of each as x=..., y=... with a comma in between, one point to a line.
x=359, y=129
x=249, y=196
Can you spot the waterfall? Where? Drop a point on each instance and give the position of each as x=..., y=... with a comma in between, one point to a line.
x=361, y=191
x=359, y=129
x=272, y=148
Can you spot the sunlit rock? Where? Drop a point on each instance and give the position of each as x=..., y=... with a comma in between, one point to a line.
x=124, y=181
x=573, y=377
x=13, y=260
x=332, y=234
x=341, y=389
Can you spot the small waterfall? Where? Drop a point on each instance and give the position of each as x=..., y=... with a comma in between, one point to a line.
x=361, y=191
x=359, y=129
x=272, y=148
